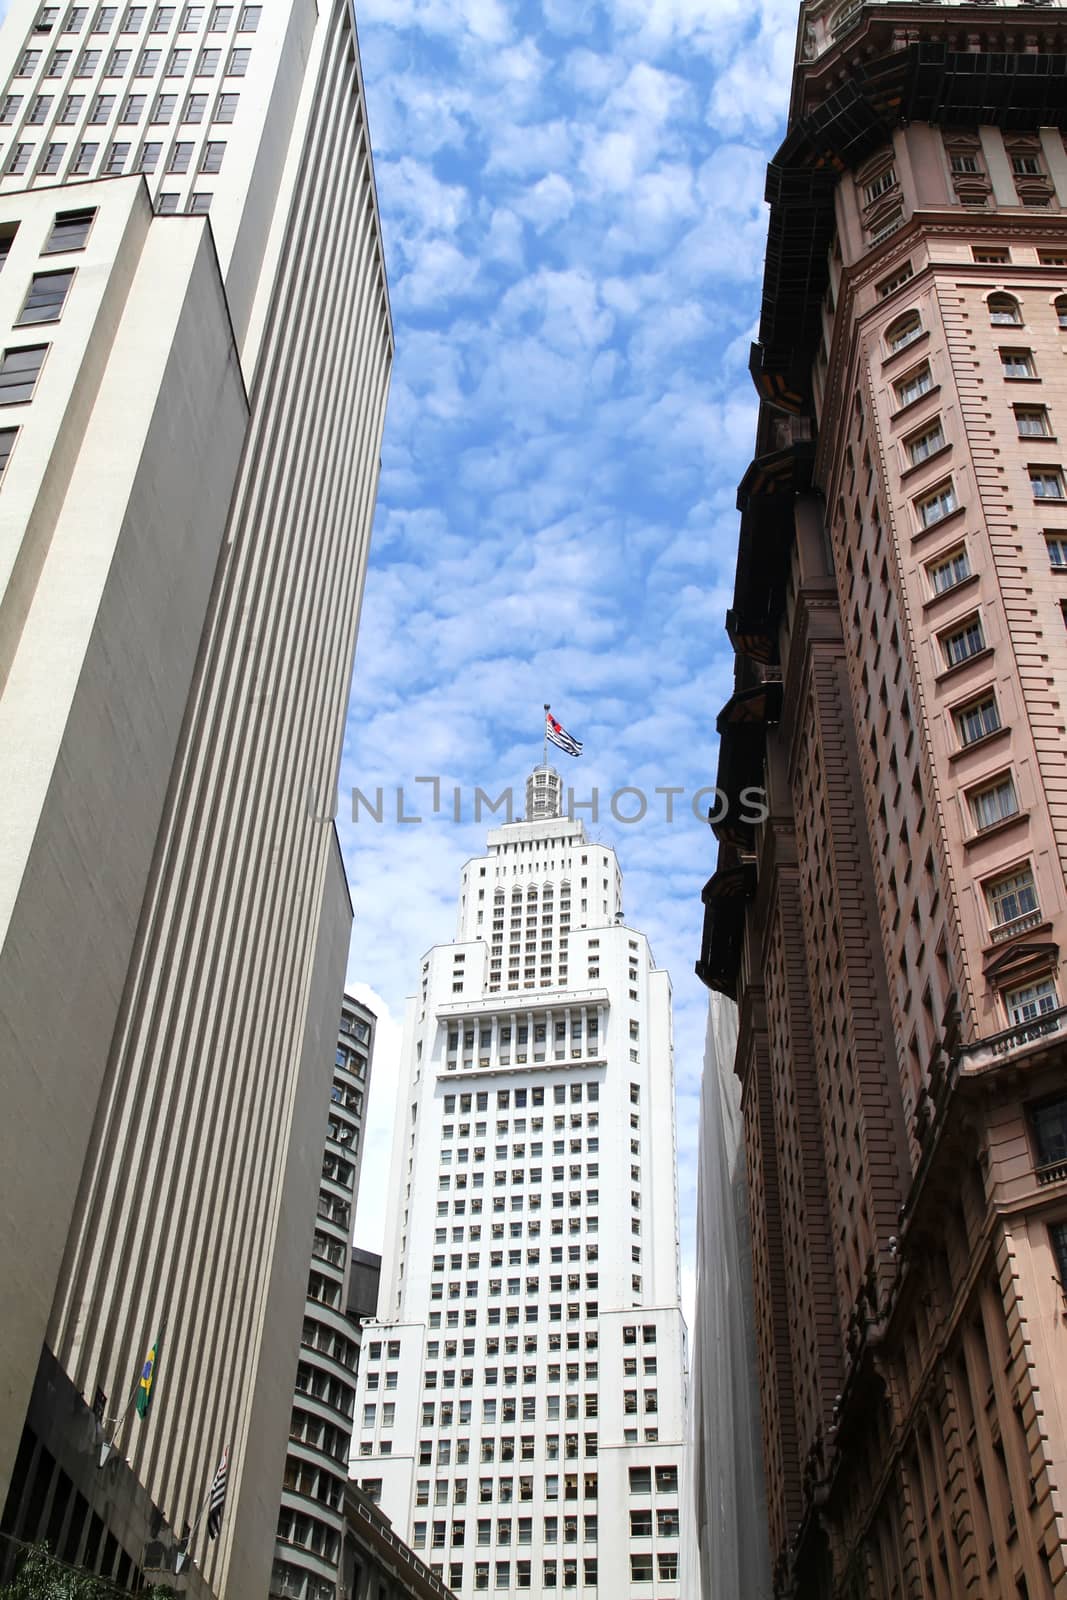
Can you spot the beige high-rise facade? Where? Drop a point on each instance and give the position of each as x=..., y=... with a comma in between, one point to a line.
x=893, y=931
x=196, y=351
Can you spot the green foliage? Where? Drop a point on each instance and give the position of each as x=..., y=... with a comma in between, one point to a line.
x=41, y=1577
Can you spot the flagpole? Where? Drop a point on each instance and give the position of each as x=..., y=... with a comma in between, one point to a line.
x=109, y=1444
x=183, y=1554
x=544, y=758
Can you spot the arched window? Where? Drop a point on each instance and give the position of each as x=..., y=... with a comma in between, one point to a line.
x=1004, y=311
x=904, y=331
x=1061, y=310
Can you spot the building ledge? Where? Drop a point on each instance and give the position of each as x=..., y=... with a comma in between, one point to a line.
x=916, y=470
x=980, y=744
x=1003, y=825
x=961, y=666
x=964, y=584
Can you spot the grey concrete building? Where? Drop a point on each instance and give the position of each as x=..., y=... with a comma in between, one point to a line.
x=311, y=1521
x=195, y=346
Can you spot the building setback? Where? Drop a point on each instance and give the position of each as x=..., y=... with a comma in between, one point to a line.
x=307, y=1554
x=893, y=931
x=196, y=347
x=521, y=1402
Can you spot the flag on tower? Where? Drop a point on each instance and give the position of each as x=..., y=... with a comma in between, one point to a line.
x=217, y=1498
x=147, y=1379
x=557, y=734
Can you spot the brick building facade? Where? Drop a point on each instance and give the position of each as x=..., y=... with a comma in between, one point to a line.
x=892, y=931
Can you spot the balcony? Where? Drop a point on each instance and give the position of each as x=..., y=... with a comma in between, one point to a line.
x=1052, y=1172
x=1017, y=925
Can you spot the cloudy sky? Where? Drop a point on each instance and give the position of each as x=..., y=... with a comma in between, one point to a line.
x=571, y=193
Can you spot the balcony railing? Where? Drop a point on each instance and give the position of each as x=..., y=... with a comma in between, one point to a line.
x=1008, y=930
x=1052, y=1172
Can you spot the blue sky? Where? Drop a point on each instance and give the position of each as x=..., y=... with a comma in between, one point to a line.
x=571, y=195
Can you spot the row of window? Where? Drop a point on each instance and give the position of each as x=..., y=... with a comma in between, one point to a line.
x=148, y=61
x=220, y=19
x=194, y=109
x=117, y=159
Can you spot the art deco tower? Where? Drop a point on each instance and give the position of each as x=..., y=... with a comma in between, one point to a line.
x=894, y=932
x=196, y=347
x=521, y=1401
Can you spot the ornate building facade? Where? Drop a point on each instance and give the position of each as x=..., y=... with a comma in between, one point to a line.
x=892, y=932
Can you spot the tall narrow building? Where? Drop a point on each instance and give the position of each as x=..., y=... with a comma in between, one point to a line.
x=311, y=1524
x=894, y=930
x=521, y=1404
x=195, y=347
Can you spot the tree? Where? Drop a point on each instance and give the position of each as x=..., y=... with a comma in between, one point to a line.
x=41, y=1577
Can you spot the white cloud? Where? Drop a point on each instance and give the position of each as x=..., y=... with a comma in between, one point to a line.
x=572, y=196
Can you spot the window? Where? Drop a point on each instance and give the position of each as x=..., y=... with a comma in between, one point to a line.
x=878, y=186
x=1004, y=311
x=29, y=61
x=45, y=298
x=237, y=65
x=250, y=16
x=7, y=444
x=1017, y=363
x=180, y=156
x=211, y=157
x=133, y=108
x=903, y=332
x=148, y=63
x=150, y=153
x=59, y=63
x=195, y=106
x=226, y=108
x=1056, y=545
x=992, y=803
x=915, y=384
x=949, y=570
x=133, y=21
x=963, y=642
x=894, y=221
x=1012, y=897
x=19, y=371
x=1032, y=422
x=1049, y=1122
x=963, y=163
x=640, y=1568
x=53, y=158
x=87, y=63
x=19, y=159
x=991, y=254
x=1047, y=483
x=162, y=112
x=937, y=505
x=10, y=109
x=1031, y=1001
x=666, y=1480
x=640, y=1480
x=1061, y=310
x=105, y=19
x=207, y=63
x=39, y=113
x=1025, y=166
x=977, y=720
x=162, y=19
x=70, y=231
x=178, y=63
x=667, y=1562
x=192, y=18
x=221, y=17
x=923, y=445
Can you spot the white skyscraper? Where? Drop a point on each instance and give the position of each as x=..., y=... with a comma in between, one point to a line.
x=521, y=1404
x=195, y=348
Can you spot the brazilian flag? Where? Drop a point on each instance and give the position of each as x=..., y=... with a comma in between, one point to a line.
x=147, y=1380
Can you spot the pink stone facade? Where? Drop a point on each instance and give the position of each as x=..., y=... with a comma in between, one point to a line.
x=894, y=932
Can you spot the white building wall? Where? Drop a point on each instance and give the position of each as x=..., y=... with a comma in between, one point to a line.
x=184, y=528
x=530, y=1281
